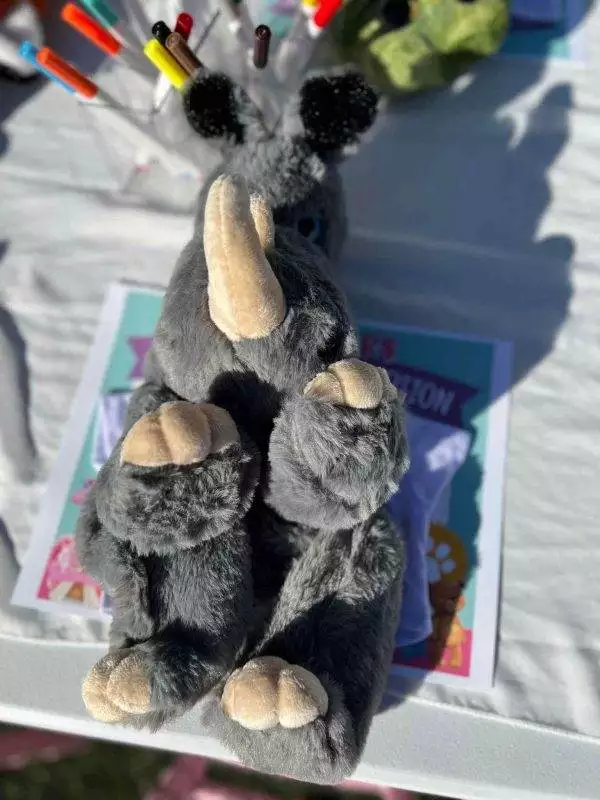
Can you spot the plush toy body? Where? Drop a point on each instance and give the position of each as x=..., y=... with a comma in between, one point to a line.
x=238, y=524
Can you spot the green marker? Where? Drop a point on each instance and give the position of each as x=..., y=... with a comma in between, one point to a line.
x=108, y=17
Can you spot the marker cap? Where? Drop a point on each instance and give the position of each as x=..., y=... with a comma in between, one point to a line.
x=67, y=73
x=326, y=12
x=184, y=25
x=161, y=31
x=165, y=63
x=102, y=11
x=29, y=52
x=92, y=30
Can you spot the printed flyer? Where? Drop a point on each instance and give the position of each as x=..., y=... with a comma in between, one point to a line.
x=449, y=506
x=450, y=502
x=548, y=29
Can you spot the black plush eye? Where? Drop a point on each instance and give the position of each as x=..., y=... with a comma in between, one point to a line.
x=306, y=226
x=313, y=228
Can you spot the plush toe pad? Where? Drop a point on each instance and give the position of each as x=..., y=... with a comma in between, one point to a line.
x=128, y=686
x=268, y=691
x=93, y=691
x=178, y=433
x=349, y=383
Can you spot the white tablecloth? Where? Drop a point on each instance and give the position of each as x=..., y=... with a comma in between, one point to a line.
x=472, y=211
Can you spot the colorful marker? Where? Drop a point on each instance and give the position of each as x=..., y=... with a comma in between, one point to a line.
x=161, y=32
x=262, y=41
x=29, y=52
x=184, y=25
x=166, y=64
x=110, y=19
x=323, y=16
x=177, y=46
x=115, y=114
x=163, y=86
x=297, y=48
x=96, y=33
x=67, y=73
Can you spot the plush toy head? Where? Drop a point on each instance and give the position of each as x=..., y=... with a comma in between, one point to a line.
x=267, y=228
x=295, y=167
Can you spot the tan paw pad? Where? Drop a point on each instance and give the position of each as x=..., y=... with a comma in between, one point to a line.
x=268, y=691
x=128, y=687
x=93, y=691
x=350, y=383
x=178, y=433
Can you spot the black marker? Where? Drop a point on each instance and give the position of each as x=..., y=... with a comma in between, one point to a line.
x=161, y=31
x=262, y=41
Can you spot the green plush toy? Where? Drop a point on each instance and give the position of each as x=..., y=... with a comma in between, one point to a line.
x=409, y=45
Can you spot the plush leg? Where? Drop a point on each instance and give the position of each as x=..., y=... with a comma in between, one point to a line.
x=303, y=703
x=151, y=682
x=164, y=531
x=337, y=451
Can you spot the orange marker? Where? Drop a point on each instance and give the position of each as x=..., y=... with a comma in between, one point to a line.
x=61, y=69
x=92, y=30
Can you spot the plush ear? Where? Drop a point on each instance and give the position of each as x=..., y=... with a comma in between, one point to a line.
x=335, y=110
x=218, y=109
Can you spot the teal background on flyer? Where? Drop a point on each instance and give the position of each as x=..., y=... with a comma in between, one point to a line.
x=468, y=362
x=550, y=41
x=140, y=315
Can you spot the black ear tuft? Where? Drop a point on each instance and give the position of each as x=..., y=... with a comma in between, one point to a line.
x=211, y=107
x=336, y=109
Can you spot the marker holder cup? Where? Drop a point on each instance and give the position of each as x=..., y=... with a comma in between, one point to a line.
x=150, y=174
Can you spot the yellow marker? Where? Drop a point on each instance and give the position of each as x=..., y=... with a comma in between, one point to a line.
x=165, y=63
x=310, y=5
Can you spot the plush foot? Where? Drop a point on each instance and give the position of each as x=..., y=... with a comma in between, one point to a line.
x=94, y=690
x=117, y=686
x=268, y=691
x=351, y=383
x=128, y=686
x=178, y=433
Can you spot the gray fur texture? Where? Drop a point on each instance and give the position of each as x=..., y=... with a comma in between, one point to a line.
x=278, y=545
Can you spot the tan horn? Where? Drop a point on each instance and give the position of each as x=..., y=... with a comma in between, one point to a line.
x=244, y=297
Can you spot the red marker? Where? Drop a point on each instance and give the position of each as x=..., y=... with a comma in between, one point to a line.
x=326, y=12
x=184, y=25
x=296, y=50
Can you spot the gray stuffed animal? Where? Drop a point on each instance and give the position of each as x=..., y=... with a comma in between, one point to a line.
x=238, y=525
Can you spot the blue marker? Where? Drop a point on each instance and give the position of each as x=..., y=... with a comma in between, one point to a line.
x=29, y=52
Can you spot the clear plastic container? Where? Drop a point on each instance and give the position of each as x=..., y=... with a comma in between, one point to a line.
x=166, y=161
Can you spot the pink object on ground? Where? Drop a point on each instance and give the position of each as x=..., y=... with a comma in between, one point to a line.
x=384, y=792
x=21, y=747
x=187, y=779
